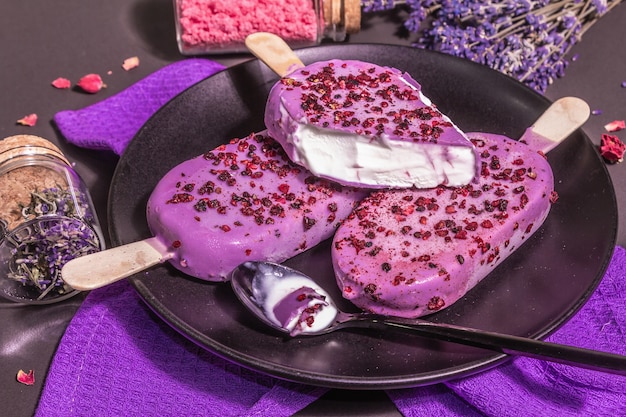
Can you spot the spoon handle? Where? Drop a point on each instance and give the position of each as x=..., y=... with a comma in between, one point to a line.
x=508, y=344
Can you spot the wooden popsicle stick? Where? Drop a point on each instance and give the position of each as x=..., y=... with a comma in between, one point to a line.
x=562, y=118
x=108, y=266
x=274, y=52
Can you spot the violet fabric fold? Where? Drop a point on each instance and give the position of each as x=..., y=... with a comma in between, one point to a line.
x=112, y=123
x=117, y=359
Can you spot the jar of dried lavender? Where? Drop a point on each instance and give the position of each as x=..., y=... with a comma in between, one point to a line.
x=46, y=218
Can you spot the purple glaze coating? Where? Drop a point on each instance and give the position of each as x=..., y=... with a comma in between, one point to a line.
x=243, y=201
x=359, y=98
x=409, y=253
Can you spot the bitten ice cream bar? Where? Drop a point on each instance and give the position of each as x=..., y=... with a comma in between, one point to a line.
x=361, y=124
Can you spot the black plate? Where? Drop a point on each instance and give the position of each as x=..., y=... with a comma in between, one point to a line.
x=532, y=293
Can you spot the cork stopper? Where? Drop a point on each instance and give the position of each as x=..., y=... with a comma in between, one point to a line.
x=19, y=145
x=344, y=14
x=352, y=15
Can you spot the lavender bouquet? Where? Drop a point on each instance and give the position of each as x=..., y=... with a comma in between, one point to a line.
x=526, y=39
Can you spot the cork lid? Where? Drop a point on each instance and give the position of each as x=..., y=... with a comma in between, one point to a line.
x=19, y=145
x=352, y=15
x=346, y=13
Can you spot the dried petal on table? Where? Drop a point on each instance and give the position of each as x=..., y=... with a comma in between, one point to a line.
x=615, y=125
x=612, y=148
x=28, y=120
x=62, y=83
x=26, y=378
x=91, y=83
x=130, y=63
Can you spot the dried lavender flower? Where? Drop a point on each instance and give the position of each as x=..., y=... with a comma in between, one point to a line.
x=526, y=39
x=64, y=232
x=378, y=5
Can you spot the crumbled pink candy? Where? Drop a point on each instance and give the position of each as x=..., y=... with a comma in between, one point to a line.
x=612, y=148
x=615, y=125
x=28, y=120
x=217, y=23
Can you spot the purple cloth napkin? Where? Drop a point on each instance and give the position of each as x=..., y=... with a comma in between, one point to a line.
x=112, y=123
x=528, y=387
x=116, y=358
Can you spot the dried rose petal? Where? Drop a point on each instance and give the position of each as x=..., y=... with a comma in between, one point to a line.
x=91, y=83
x=26, y=378
x=612, y=149
x=28, y=120
x=130, y=63
x=615, y=125
x=61, y=83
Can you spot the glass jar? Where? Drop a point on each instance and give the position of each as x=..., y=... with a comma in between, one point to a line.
x=218, y=26
x=46, y=218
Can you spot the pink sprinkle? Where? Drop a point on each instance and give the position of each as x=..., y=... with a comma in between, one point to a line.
x=218, y=23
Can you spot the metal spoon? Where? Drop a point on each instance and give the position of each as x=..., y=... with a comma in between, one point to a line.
x=267, y=288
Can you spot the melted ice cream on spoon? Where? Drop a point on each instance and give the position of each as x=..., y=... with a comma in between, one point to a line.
x=294, y=304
